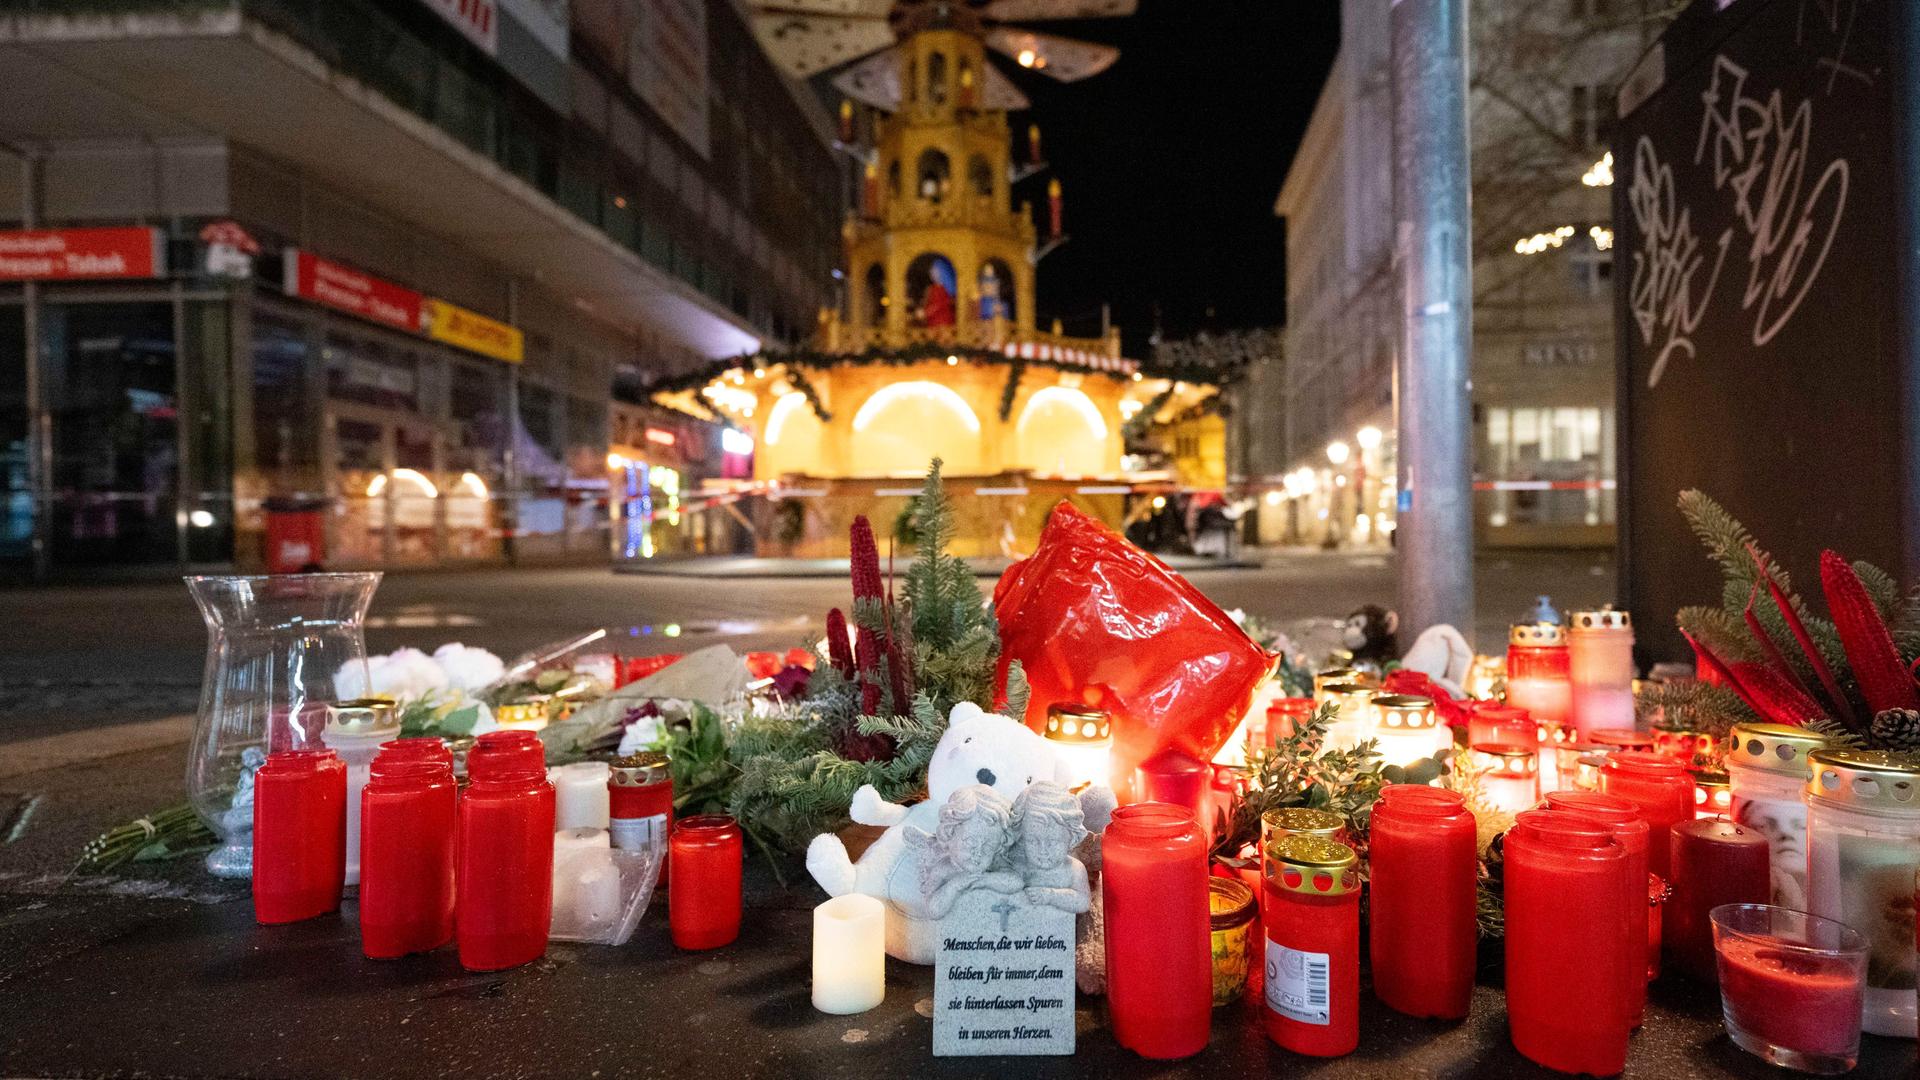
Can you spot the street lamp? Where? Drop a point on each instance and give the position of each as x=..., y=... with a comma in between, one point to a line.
x=1368, y=437
x=1337, y=452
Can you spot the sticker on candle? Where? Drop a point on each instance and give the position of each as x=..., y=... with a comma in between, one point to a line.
x=1297, y=984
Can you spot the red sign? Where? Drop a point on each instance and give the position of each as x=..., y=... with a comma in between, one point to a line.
x=80, y=254
x=343, y=288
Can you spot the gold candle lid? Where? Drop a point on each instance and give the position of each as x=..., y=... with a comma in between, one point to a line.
x=1078, y=725
x=1505, y=757
x=1312, y=865
x=1776, y=748
x=1603, y=619
x=1302, y=821
x=1866, y=780
x=1329, y=677
x=1536, y=634
x=1402, y=712
x=363, y=716
x=530, y=710
x=638, y=769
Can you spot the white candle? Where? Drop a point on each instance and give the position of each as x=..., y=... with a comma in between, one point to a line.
x=578, y=855
x=580, y=795
x=849, y=954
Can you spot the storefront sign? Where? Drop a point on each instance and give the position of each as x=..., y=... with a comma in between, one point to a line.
x=343, y=288
x=81, y=254
x=1559, y=353
x=478, y=20
x=473, y=331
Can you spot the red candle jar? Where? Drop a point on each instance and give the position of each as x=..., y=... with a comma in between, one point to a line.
x=1153, y=882
x=1569, y=947
x=1714, y=863
x=1173, y=777
x=640, y=801
x=408, y=820
x=1286, y=716
x=1660, y=788
x=1712, y=795
x=1614, y=740
x=1492, y=722
x=505, y=889
x=417, y=748
x=299, y=835
x=703, y=894
x=1422, y=870
x=1629, y=830
x=1312, y=919
x=1539, y=677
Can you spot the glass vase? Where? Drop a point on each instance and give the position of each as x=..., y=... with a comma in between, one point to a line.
x=276, y=648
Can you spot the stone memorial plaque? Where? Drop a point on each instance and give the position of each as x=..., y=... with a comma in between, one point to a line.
x=1003, y=977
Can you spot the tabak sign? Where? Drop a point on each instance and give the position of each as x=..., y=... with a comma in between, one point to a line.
x=323, y=281
x=81, y=254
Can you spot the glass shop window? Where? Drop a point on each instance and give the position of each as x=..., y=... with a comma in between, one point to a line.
x=1548, y=466
x=370, y=372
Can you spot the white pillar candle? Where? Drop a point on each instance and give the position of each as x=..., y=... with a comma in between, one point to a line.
x=577, y=854
x=580, y=795
x=849, y=954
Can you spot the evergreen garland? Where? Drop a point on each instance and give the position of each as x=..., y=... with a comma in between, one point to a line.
x=1015, y=371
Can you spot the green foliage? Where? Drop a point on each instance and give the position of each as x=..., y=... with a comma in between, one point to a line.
x=1015, y=371
x=1694, y=706
x=956, y=640
x=1300, y=771
x=163, y=834
x=698, y=758
x=1135, y=429
x=1725, y=634
x=431, y=716
x=1837, y=734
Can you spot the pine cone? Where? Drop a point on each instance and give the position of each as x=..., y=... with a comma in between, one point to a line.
x=1897, y=729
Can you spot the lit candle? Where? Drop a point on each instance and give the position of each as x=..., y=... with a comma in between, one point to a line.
x=1407, y=728
x=1767, y=776
x=1173, y=777
x=1661, y=790
x=1714, y=863
x=1033, y=143
x=1509, y=776
x=1537, y=666
x=1158, y=933
x=1600, y=666
x=1712, y=795
x=580, y=791
x=1053, y=207
x=849, y=954
x=1353, y=721
x=1507, y=725
x=1082, y=738
x=526, y=714
x=1286, y=716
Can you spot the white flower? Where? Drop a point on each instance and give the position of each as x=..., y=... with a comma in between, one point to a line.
x=404, y=675
x=641, y=734
x=468, y=668
x=1239, y=616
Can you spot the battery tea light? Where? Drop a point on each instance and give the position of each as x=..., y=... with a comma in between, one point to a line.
x=849, y=954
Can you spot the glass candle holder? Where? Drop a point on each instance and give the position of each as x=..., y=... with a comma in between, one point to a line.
x=1863, y=847
x=1312, y=922
x=1082, y=738
x=1286, y=716
x=1791, y=985
x=1174, y=778
x=1712, y=795
x=1159, y=956
x=640, y=801
x=1508, y=776
x=1567, y=1008
x=279, y=647
x=299, y=835
x=1767, y=770
x=1502, y=724
x=408, y=818
x=704, y=889
x=1407, y=728
x=529, y=714
x=1682, y=746
x=1629, y=829
x=1714, y=862
x=1614, y=740
x=1353, y=719
x=1537, y=671
x=1423, y=864
x=1343, y=676
x=505, y=876
x=356, y=730
x=1231, y=913
x=1600, y=667
x=1660, y=788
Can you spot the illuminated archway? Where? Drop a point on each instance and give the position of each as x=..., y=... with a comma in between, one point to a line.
x=1061, y=431
x=792, y=440
x=904, y=424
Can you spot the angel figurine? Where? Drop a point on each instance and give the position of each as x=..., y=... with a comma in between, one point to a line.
x=967, y=849
x=1049, y=823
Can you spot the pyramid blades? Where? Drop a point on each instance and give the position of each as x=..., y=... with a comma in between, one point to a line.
x=871, y=9
x=874, y=81
x=1048, y=10
x=1061, y=58
x=809, y=44
x=998, y=92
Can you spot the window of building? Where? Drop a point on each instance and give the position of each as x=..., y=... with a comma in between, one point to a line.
x=937, y=78
x=980, y=176
x=876, y=294
x=1590, y=114
x=934, y=176
x=1549, y=466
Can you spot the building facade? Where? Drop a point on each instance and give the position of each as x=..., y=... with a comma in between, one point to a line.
x=1542, y=99
x=368, y=272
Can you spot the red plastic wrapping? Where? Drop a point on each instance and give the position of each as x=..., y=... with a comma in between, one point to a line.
x=1096, y=621
x=1454, y=714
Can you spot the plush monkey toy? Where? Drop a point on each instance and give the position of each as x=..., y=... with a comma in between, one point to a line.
x=1369, y=635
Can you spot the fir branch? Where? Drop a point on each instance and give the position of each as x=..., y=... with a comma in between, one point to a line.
x=1837, y=734
x=1692, y=705
x=1717, y=630
x=1019, y=693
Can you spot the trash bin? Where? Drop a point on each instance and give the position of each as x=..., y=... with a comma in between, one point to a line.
x=296, y=534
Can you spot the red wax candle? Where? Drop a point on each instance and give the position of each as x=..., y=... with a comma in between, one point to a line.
x=1158, y=934
x=1630, y=831
x=1174, y=778
x=299, y=835
x=703, y=895
x=1422, y=868
x=1714, y=862
x=505, y=890
x=1569, y=947
x=1312, y=920
x=1492, y=722
x=1800, y=999
x=408, y=821
x=1286, y=716
x=1662, y=790
x=417, y=748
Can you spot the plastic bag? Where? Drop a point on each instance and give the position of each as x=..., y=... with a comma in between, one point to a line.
x=1096, y=621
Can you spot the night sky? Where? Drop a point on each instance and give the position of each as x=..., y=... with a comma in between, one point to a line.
x=1171, y=159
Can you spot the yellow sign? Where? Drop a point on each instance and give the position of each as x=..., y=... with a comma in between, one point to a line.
x=473, y=331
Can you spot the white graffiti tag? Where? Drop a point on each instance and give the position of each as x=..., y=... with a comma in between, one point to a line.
x=1760, y=156
x=1666, y=299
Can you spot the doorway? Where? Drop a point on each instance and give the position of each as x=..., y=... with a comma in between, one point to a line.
x=386, y=480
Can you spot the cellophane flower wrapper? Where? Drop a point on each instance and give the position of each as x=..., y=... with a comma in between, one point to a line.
x=1094, y=620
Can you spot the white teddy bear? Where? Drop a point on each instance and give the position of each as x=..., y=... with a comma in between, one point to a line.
x=978, y=748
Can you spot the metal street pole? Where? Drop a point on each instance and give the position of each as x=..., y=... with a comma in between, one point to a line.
x=1432, y=210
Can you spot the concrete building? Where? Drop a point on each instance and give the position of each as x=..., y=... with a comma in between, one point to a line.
x=1543, y=372
x=383, y=260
